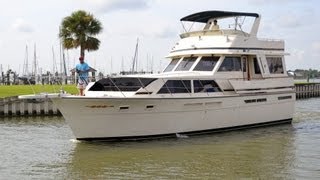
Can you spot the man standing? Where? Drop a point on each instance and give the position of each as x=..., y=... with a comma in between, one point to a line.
x=82, y=69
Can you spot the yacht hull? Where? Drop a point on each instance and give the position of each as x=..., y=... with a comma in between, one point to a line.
x=138, y=118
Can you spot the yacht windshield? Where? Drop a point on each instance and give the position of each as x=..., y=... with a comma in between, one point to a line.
x=186, y=63
x=171, y=65
x=275, y=65
x=205, y=86
x=231, y=64
x=176, y=86
x=206, y=63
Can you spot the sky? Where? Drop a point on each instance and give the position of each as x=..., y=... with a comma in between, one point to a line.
x=35, y=23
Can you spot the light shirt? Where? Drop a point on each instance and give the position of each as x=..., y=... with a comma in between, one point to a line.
x=83, y=67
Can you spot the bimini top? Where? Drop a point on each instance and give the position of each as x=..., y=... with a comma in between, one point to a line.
x=204, y=16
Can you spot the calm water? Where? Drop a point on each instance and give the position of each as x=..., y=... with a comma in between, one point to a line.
x=43, y=148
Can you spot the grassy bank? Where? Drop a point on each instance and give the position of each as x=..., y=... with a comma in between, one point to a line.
x=16, y=90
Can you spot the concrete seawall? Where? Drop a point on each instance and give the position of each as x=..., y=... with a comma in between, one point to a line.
x=12, y=106
x=307, y=90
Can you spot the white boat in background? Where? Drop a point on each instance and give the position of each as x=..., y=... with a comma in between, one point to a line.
x=218, y=79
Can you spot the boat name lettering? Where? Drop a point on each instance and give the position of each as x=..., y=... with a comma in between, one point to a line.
x=99, y=106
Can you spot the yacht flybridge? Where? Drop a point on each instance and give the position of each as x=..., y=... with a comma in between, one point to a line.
x=218, y=78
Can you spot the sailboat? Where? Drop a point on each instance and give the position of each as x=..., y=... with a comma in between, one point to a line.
x=26, y=77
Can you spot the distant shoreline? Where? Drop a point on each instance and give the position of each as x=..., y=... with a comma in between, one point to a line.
x=11, y=105
x=7, y=91
x=16, y=90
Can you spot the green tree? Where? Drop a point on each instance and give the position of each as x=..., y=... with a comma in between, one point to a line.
x=79, y=30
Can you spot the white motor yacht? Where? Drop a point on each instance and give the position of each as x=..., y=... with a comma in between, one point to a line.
x=217, y=79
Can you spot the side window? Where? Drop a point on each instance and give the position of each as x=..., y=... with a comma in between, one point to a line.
x=176, y=86
x=206, y=63
x=231, y=64
x=205, y=86
x=275, y=65
x=186, y=63
x=171, y=65
x=256, y=66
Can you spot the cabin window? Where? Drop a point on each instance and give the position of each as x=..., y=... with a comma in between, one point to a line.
x=186, y=63
x=205, y=86
x=275, y=65
x=171, y=65
x=176, y=86
x=284, y=97
x=206, y=63
x=256, y=66
x=255, y=100
x=122, y=84
x=231, y=64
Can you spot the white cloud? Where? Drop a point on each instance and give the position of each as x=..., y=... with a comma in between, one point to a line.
x=289, y=21
x=269, y=2
x=298, y=54
x=316, y=46
x=114, y=5
x=316, y=49
x=166, y=33
x=151, y=32
x=155, y=22
x=21, y=25
x=296, y=60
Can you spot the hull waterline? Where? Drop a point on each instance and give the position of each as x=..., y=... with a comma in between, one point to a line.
x=152, y=118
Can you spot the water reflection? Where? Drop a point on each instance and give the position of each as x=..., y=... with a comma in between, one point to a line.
x=34, y=147
x=228, y=155
x=41, y=148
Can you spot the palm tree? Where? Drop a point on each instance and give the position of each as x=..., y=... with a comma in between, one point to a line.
x=79, y=30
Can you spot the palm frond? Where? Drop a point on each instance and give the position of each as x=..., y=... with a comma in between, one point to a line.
x=78, y=29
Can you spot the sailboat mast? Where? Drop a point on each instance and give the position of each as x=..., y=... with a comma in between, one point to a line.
x=64, y=67
x=60, y=54
x=35, y=63
x=25, y=65
x=122, y=64
x=54, y=63
x=135, y=58
x=1, y=74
